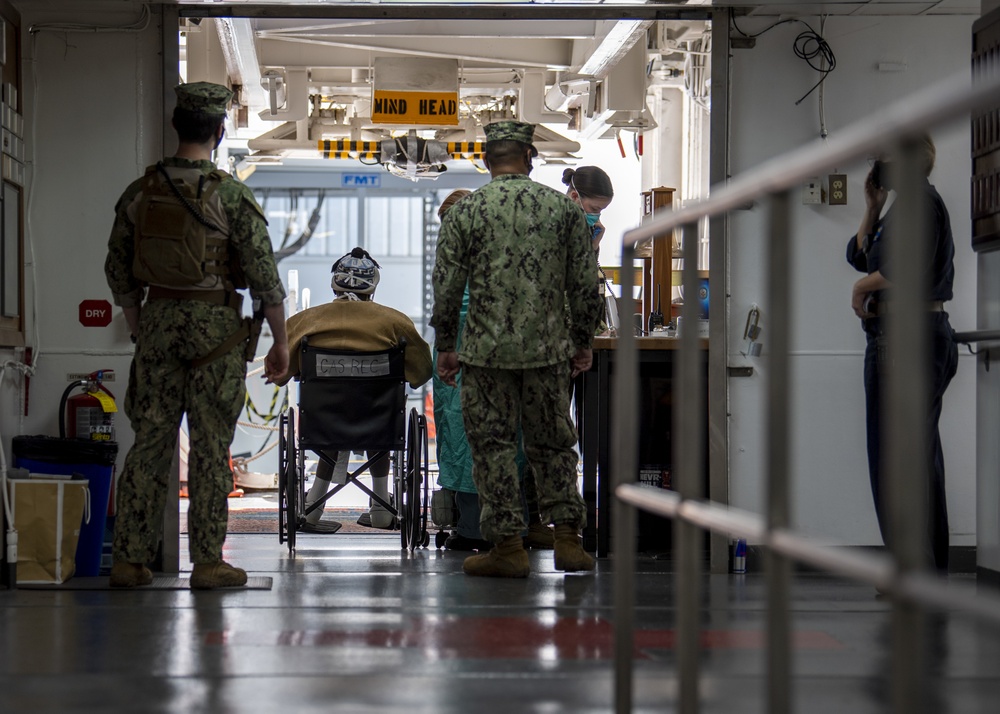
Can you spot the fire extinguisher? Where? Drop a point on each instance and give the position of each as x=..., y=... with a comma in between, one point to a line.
x=91, y=415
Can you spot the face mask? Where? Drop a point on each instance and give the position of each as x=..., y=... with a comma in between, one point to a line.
x=592, y=219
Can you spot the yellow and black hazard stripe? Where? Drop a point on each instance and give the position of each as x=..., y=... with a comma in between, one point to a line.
x=467, y=149
x=347, y=149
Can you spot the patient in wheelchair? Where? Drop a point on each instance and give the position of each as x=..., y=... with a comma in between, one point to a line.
x=353, y=321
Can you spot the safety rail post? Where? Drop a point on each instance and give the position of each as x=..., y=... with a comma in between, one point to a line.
x=624, y=470
x=904, y=577
x=905, y=416
x=687, y=464
x=778, y=567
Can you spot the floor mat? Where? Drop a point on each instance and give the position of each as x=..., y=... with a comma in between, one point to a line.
x=265, y=520
x=160, y=582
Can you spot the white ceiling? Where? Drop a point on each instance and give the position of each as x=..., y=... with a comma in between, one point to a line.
x=529, y=8
x=511, y=53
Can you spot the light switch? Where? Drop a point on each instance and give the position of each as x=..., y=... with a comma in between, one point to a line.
x=812, y=192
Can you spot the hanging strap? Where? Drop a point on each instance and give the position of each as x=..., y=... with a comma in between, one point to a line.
x=195, y=213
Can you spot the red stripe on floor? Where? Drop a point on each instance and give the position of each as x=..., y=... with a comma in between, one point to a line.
x=510, y=638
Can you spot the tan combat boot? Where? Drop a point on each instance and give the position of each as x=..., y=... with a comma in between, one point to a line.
x=570, y=555
x=207, y=576
x=539, y=536
x=507, y=559
x=130, y=575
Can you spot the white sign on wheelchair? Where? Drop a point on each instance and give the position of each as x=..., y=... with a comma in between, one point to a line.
x=352, y=365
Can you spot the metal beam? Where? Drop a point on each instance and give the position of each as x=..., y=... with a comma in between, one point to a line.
x=170, y=553
x=718, y=278
x=237, y=39
x=448, y=11
x=779, y=571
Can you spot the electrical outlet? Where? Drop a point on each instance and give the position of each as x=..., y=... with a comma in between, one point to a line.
x=838, y=189
x=812, y=191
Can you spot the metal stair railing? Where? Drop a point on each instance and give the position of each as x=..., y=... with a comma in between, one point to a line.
x=900, y=574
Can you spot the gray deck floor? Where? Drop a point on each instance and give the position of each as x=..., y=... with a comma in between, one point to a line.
x=354, y=624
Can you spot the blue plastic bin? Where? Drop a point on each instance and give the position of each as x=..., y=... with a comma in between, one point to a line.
x=94, y=460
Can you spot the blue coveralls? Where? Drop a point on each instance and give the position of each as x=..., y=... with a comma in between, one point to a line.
x=943, y=363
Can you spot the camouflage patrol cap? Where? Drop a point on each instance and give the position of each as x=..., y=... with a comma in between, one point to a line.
x=203, y=97
x=512, y=131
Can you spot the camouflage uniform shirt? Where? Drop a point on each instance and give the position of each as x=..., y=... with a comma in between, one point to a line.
x=248, y=237
x=524, y=250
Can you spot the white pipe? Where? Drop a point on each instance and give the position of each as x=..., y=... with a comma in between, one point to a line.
x=293, y=292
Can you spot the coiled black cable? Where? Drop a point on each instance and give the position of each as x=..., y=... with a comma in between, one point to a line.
x=808, y=46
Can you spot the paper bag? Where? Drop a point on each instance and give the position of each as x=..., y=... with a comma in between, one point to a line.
x=48, y=515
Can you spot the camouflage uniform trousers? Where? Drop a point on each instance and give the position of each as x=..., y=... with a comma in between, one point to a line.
x=162, y=388
x=494, y=403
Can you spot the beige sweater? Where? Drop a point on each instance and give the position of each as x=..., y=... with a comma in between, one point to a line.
x=362, y=326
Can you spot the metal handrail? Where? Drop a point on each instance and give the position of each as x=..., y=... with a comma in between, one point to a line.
x=870, y=567
x=900, y=575
x=977, y=336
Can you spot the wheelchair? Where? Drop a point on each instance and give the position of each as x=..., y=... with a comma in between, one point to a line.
x=354, y=401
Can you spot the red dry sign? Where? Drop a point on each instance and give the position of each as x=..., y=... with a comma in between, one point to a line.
x=95, y=313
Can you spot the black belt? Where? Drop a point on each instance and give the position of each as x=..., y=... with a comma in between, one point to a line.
x=228, y=298
x=885, y=308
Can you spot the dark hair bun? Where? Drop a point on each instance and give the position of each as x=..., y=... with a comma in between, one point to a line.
x=568, y=176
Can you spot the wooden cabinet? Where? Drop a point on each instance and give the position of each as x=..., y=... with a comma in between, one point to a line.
x=658, y=256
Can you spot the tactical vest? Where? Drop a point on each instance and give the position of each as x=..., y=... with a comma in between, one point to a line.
x=182, y=231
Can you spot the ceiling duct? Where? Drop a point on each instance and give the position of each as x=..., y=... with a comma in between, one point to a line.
x=620, y=100
x=533, y=100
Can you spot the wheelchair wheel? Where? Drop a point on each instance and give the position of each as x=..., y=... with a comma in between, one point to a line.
x=290, y=491
x=282, y=473
x=414, y=521
x=424, y=478
x=398, y=480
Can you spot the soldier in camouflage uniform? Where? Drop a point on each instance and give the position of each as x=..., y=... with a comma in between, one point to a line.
x=172, y=328
x=524, y=250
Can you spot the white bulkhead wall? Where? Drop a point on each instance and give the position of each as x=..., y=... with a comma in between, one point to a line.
x=92, y=107
x=831, y=494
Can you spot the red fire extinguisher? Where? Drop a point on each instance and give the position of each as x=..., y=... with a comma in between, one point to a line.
x=90, y=415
